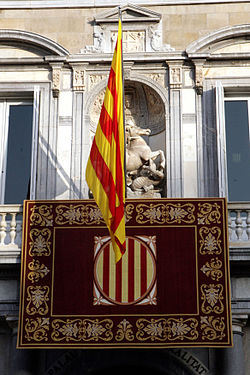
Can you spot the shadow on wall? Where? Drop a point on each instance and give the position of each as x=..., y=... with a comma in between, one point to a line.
x=54, y=180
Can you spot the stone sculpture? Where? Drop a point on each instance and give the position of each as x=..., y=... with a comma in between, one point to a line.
x=144, y=167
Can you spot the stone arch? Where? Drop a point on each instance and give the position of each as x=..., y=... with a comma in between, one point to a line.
x=147, y=88
x=24, y=39
x=219, y=38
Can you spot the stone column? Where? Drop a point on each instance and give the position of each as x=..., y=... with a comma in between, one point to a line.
x=21, y=362
x=175, y=185
x=230, y=361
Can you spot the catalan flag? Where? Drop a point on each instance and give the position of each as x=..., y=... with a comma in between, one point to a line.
x=105, y=167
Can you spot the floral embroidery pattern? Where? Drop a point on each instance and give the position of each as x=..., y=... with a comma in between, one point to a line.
x=37, y=329
x=210, y=242
x=213, y=269
x=37, y=299
x=212, y=298
x=71, y=330
x=212, y=328
x=40, y=244
x=38, y=271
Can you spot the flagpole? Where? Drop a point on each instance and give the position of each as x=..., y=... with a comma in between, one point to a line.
x=123, y=99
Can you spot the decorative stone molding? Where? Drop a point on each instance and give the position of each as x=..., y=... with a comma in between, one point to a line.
x=94, y=79
x=39, y=41
x=142, y=31
x=206, y=45
x=56, y=78
x=127, y=67
x=199, y=76
x=79, y=76
x=157, y=77
x=175, y=76
x=238, y=323
x=155, y=35
x=12, y=321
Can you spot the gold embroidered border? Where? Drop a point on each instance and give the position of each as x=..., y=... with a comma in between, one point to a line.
x=169, y=213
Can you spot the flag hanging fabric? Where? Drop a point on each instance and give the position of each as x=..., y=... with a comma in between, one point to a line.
x=105, y=168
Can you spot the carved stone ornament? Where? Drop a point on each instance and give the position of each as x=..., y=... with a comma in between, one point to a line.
x=96, y=78
x=78, y=80
x=155, y=34
x=199, y=79
x=56, y=81
x=157, y=77
x=175, y=77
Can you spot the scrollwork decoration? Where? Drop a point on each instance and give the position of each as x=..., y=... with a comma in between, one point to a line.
x=40, y=244
x=212, y=328
x=37, y=298
x=41, y=215
x=209, y=213
x=37, y=329
x=212, y=296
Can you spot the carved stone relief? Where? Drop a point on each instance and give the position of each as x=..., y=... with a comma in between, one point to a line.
x=175, y=77
x=142, y=31
x=78, y=79
x=95, y=78
x=133, y=41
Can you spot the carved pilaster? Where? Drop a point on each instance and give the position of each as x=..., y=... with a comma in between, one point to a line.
x=199, y=76
x=79, y=77
x=175, y=76
x=127, y=67
x=56, y=78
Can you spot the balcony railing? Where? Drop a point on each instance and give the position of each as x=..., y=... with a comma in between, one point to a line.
x=11, y=229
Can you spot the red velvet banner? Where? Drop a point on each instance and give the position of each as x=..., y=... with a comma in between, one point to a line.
x=171, y=288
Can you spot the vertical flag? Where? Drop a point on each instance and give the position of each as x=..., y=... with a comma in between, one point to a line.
x=105, y=168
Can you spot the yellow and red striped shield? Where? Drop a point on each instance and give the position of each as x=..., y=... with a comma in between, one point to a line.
x=132, y=280
x=105, y=167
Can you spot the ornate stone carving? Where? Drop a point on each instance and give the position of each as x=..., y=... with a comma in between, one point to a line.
x=95, y=78
x=156, y=40
x=157, y=77
x=56, y=81
x=78, y=79
x=199, y=79
x=175, y=77
x=97, y=47
x=144, y=175
x=133, y=40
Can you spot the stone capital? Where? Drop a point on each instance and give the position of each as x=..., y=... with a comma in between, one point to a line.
x=238, y=323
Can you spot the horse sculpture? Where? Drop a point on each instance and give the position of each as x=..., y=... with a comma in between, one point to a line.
x=142, y=172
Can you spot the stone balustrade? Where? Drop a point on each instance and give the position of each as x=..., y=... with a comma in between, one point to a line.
x=10, y=232
x=11, y=227
x=239, y=224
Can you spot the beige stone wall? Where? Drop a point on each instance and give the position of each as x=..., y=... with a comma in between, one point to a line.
x=72, y=28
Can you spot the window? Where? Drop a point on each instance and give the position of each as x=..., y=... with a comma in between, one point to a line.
x=238, y=148
x=16, y=135
x=233, y=143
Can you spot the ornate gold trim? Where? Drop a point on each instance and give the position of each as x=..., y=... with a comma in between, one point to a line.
x=73, y=330
x=212, y=297
x=40, y=244
x=37, y=271
x=169, y=213
x=37, y=298
x=210, y=242
x=36, y=329
x=88, y=214
x=41, y=215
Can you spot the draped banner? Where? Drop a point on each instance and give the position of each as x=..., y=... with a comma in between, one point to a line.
x=170, y=288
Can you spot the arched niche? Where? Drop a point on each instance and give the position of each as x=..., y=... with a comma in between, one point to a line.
x=143, y=105
x=18, y=43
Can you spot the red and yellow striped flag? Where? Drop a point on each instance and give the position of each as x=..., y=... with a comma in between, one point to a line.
x=105, y=167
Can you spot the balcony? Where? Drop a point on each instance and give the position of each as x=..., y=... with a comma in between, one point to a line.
x=11, y=232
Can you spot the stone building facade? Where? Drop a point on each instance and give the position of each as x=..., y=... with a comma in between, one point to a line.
x=186, y=72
